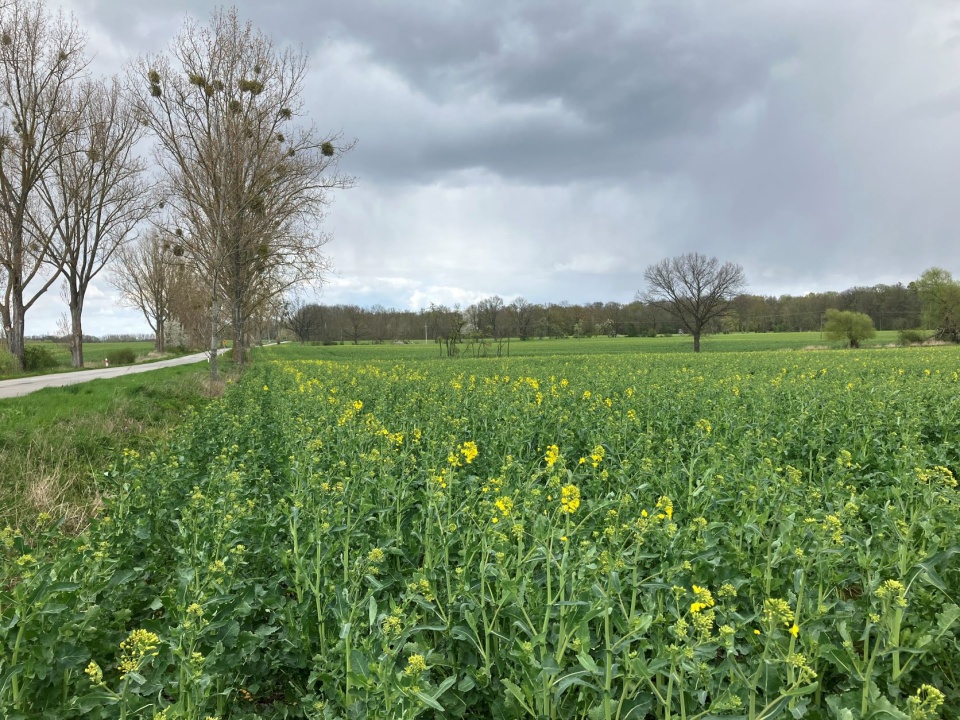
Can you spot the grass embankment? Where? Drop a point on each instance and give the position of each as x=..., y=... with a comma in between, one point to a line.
x=56, y=443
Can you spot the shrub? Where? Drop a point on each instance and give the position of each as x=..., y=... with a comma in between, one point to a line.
x=123, y=356
x=912, y=337
x=853, y=327
x=6, y=362
x=39, y=357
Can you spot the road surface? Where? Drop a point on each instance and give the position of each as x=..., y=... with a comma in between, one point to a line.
x=27, y=385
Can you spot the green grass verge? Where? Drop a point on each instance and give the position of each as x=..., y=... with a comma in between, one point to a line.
x=93, y=356
x=56, y=443
x=733, y=342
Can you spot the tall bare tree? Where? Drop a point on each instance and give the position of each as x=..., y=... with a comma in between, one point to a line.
x=94, y=194
x=41, y=56
x=247, y=183
x=694, y=289
x=305, y=321
x=523, y=315
x=145, y=274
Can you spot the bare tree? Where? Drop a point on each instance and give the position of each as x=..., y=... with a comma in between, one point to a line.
x=446, y=326
x=41, y=55
x=694, y=289
x=305, y=321
x=488, y=313
x=378, y=320
x=523, y=315
x=247, y=184
x=354, y=323
x=145, y=274
x=94, y=194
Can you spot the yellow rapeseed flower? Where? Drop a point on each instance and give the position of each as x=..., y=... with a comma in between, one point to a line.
x=666, y=504
x=597, y=454
x=703, y=599
x=569, y=499
x=415, y=665
x=553, y=454
x=139, y=645
x=94, y=672
x=469, y=451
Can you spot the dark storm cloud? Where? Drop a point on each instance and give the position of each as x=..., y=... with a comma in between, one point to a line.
x=618, y=85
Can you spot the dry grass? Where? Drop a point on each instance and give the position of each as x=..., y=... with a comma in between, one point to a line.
x=56, y=444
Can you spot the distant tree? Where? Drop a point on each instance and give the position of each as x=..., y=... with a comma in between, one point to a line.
x=694, y=289
x=446, y=326
x=523, y=315
x=848, y=325
x=354, y=323
x=939, y=296
x=378, y=323
x=144, y=273
x=489, y=312
x=304, y=321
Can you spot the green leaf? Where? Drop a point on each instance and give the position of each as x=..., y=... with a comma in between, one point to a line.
x=70, y=656
x=841, y=658
x=122, y=577
x=946, y=619
x=517, y=694
x=574, y=678
x=550, y=665
x=588, y=664
x=427, y=700
x=95, y=699
x=136, y=678
x=445, y=685
x=11, y=672
x=883, y=709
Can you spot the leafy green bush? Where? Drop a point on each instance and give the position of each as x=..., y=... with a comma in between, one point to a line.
x=6, y=362
x=911, y=337
x=123, y=356
x=39, y=357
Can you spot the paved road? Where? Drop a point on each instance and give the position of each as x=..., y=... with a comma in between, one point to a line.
x=24, y=386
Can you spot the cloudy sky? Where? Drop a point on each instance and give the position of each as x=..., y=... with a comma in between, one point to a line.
x=554, y=149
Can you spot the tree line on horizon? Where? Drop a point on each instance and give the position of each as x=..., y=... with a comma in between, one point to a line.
x=890, y=307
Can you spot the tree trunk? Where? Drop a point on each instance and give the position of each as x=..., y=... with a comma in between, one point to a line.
x=16, y=332
x=239, y=351
x=161, y=341
x=213, y=338
x=696, y=342
x=76, y=329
